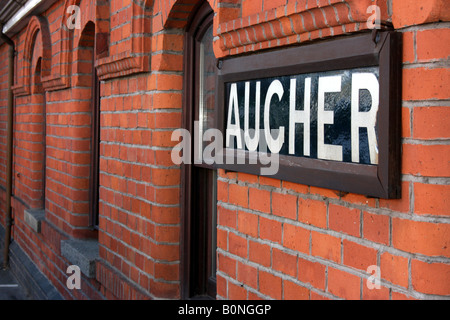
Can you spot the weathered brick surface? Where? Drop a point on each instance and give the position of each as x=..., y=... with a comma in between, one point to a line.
x=276, y=239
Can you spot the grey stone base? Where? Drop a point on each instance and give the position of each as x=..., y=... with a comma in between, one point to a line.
x=27, y=274
x=33, y=218
x=82, y=253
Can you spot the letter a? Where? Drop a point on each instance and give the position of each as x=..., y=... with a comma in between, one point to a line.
x=74, y=21
x=74, y=281
x=233, y=129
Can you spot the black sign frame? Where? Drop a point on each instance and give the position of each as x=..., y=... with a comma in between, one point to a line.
x=379, y=48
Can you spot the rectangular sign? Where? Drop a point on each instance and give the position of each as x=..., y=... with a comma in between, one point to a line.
x=330, y=111
x=326, y=115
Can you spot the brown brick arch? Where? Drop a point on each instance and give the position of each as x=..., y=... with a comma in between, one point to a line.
x=95, y=11
x=37, y=27
x=129, y=53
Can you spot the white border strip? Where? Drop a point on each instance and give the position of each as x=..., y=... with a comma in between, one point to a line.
x=19, y=15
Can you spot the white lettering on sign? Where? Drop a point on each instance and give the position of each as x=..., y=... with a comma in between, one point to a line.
x=327, y=151
x=274, y=144
x=252, y=143
x=324, y=119
x=368, y=119
x=297, y=116
x=233, y=129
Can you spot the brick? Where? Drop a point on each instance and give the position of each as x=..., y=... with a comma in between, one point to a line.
x=358, y=256
x=266, y=181
x=226, y=217
x=284, y=205
x=171, y=42
x=167, y=100
x=327, y=193
x=421, y=237
x=284, y=262
x=222, y=191
x=270, y=285
x=259, y=200
x=381, y=293
x=409, y=53
x=402, y=204
x=167, y=62
x=250, y=7
x=296, y=238
x=165, y=177
x=358, y=199
x=226, y=265
x=245, y=177
x=248, y=223
x=298, y=188
x=376, y=227
x=238, y=195
x=237, y=245
x=312, y=212
x=430, y=278
x=344, y=219
x=167, y=233
x=326, y=246
x=168, y=215
x=259, y=253
x=312, y=273
x=168, y=272
x=271, y=4
x=406, y=123
x=164, y=290
x=433, y=44
x=228, y=175
x=425, y=84
x=426, y=160
x=343, y=284
x=221, y=283
x=432, y=199
x=270, y=229
x=236, y=292
x=431, y=122
x=165, y=251
x=222, y=239
x=167, y=195
x=169, y=81
x=162, y=139
x=416, y=12
x=167, y=120
x=293, y=291
x=248, y=275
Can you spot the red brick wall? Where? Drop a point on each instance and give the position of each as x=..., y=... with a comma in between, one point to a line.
x=289, y=241
x=276, y=239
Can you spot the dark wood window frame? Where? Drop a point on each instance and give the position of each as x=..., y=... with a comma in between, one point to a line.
x=192, y=251
x=347, y=52
x=95, y=149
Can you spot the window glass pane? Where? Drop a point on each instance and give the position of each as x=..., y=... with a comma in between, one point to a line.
x=207, y=83
x=214, y=224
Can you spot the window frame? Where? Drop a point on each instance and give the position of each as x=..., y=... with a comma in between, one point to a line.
x=190, y=245
x=94, y=178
